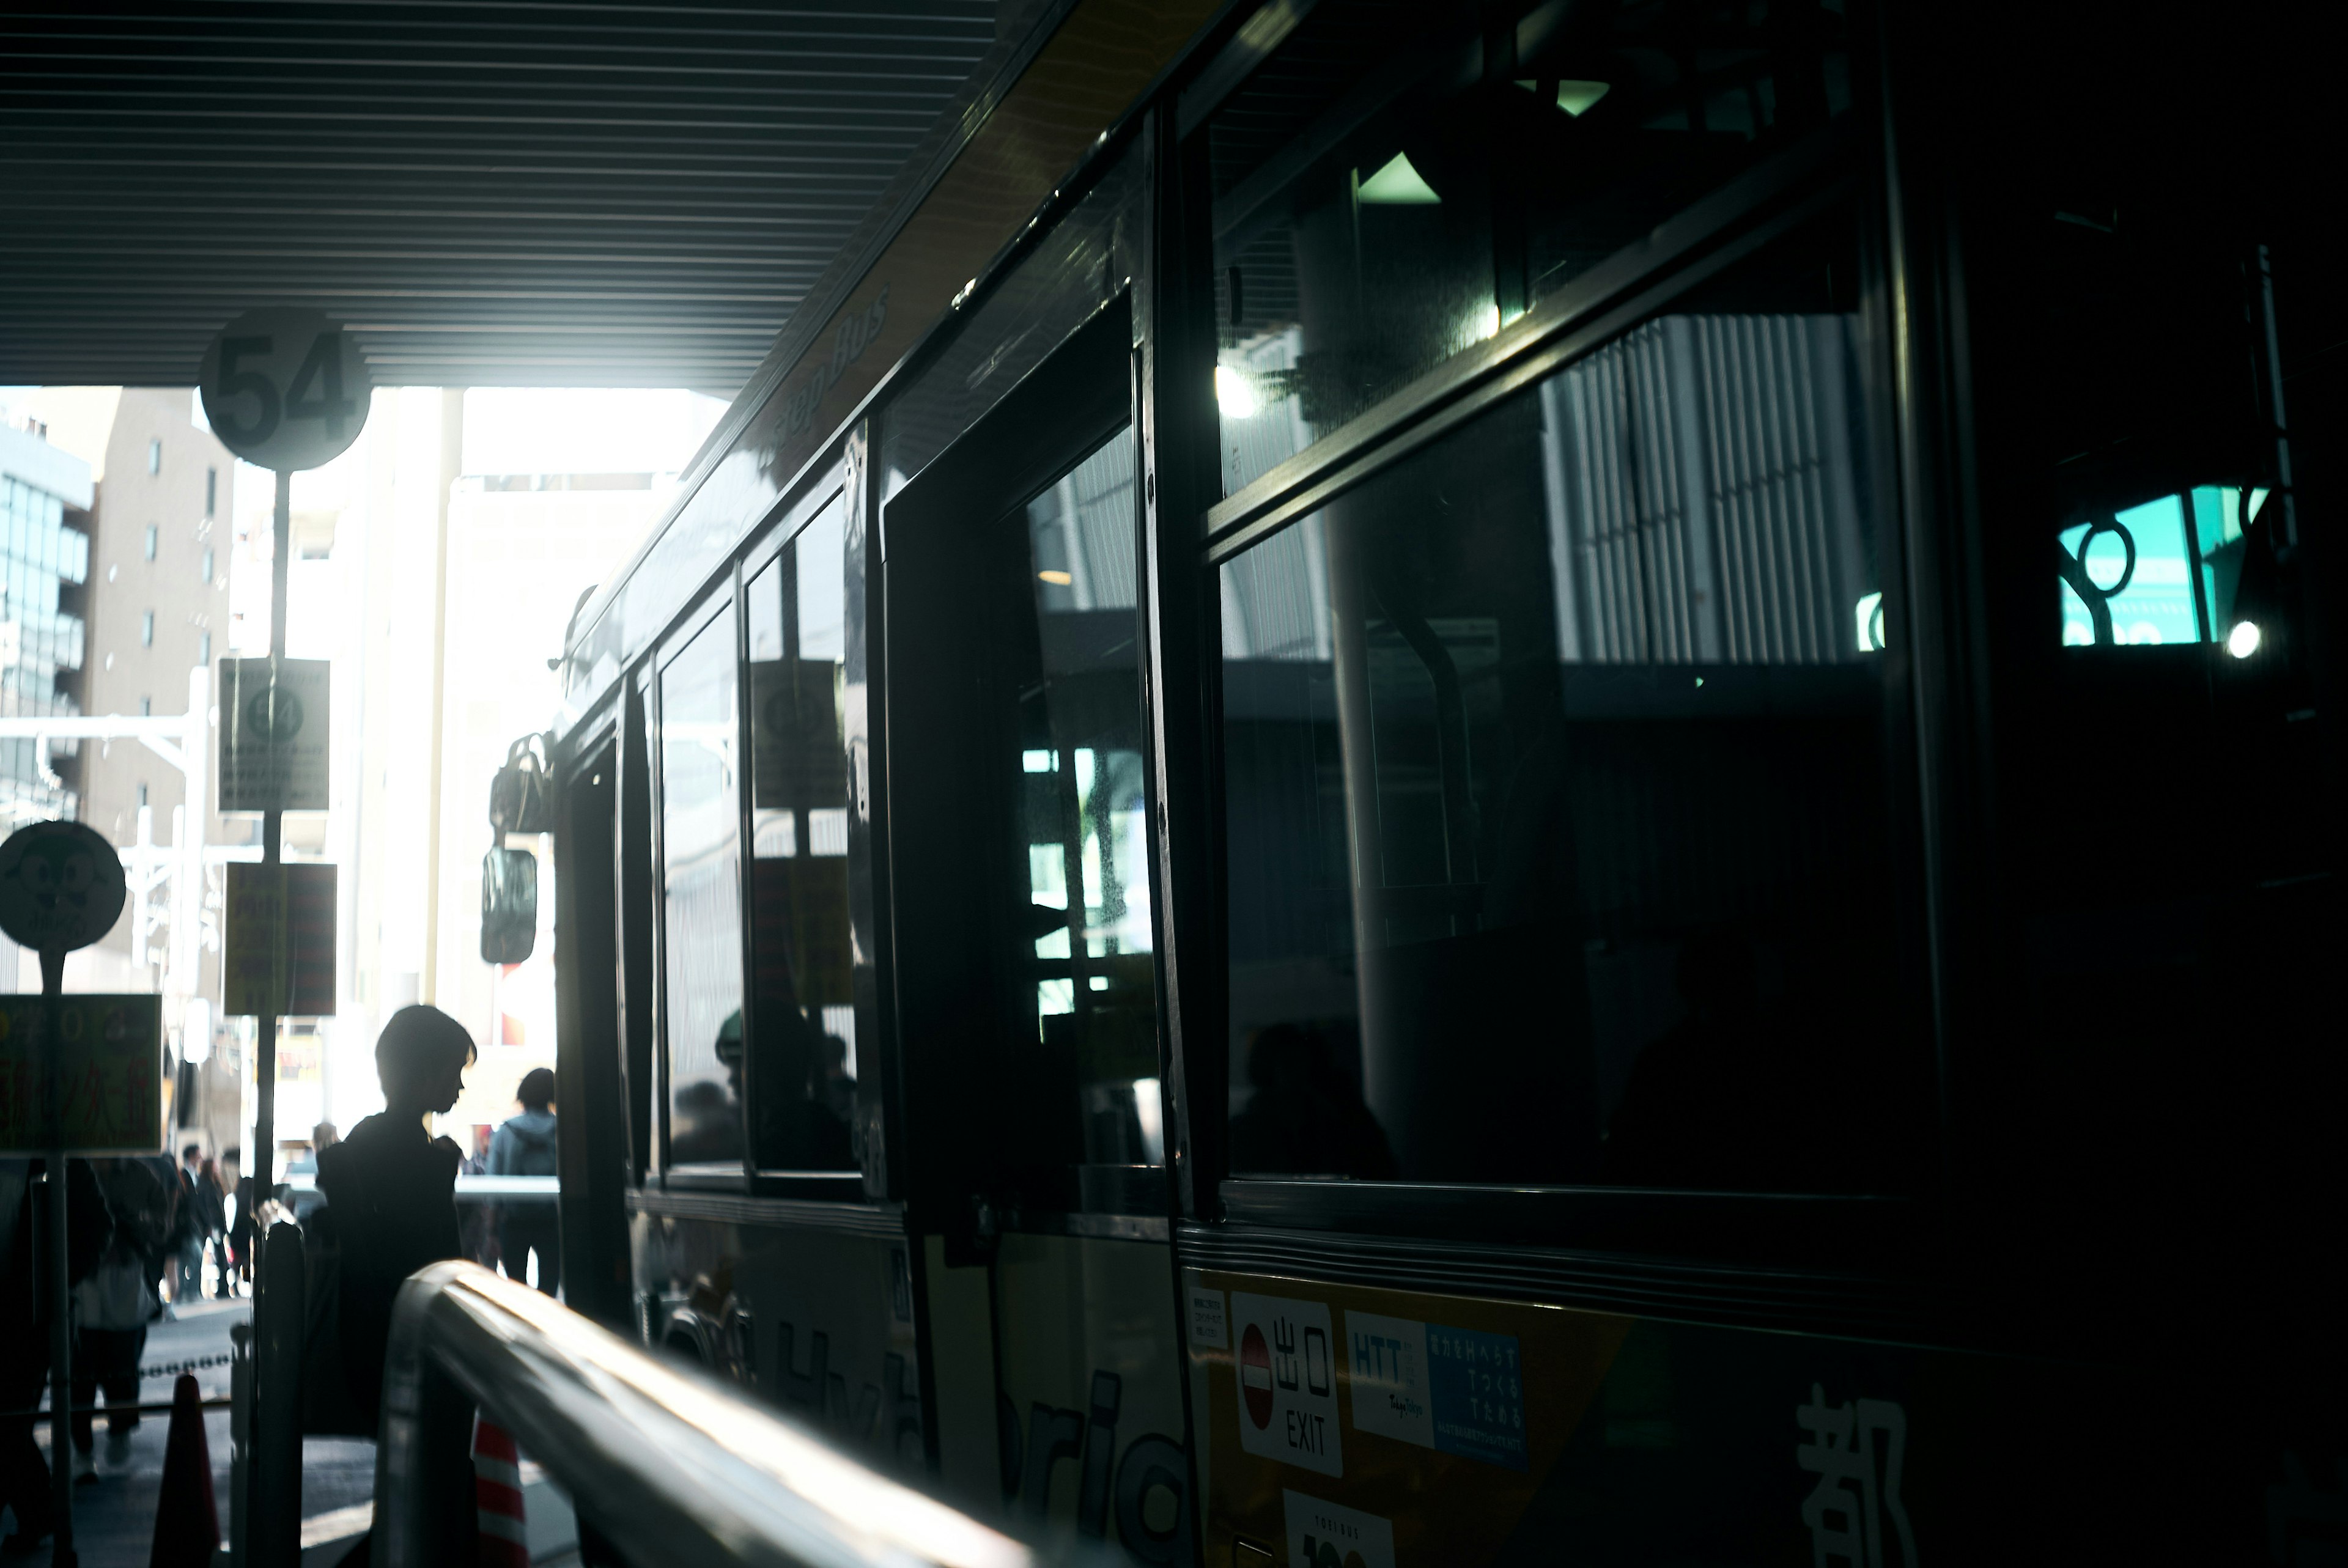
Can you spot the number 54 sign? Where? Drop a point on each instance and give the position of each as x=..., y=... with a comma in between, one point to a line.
x=286, y=389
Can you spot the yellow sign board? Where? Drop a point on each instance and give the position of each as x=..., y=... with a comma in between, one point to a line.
x=278, y=952
x=113, y=1074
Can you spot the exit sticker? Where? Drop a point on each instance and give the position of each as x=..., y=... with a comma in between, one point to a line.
x=1285, y=1357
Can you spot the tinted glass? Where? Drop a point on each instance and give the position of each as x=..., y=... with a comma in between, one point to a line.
x=802, y=1000
x=1560, y=820
x=701, y=930
x=1069, y=634
x=1399, y=181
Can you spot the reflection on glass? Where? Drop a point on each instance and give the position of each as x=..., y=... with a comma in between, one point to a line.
x=701, y=933
x=1555, y=769
x=1388, y=193
x=802, y=1002
x=2168, y=570
x=1083, y=821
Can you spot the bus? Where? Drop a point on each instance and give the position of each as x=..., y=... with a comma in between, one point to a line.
x=1440, y=783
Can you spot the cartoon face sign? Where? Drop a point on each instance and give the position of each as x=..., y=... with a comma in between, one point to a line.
x=61, y=885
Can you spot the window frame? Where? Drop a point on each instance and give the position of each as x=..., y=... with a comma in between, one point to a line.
x=1845, y=159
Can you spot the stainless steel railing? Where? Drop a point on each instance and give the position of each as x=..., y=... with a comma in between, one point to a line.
x=667, y=1464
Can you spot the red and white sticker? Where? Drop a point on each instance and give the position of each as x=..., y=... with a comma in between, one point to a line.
x=1286, y=1364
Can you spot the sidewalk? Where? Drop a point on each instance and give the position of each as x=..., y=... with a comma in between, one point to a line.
x=114, y=1517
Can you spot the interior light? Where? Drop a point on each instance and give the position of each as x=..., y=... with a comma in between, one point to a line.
x=1488, y=322
x=1398, y=185
x=2243, y=640
x=1235, y=395
x=1868, y=614
x=1056, y=578
x=1577, y=98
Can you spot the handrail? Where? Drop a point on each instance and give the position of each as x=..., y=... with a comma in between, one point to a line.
x=667, y=1464
x=469, y=1189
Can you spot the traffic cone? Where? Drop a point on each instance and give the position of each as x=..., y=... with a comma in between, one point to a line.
x=497, y=1498
x=187, y=1520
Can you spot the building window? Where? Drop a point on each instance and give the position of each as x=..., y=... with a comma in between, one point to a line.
x=142, y=797
x=146, y=707
x=212, y=492
x=146, y=630
x=150, y=541
x=155, y=457
x=204, y=650
x=208, y=566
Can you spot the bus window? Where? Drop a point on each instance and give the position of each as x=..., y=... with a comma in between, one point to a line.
x=701, y=928
x=1396, y=185
x=1092, y=999
x=1560, y=817
x=803, y=1044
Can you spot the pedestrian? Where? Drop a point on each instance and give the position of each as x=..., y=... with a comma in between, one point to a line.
x=525, y=1146
x=112, y=1309
x=211, y=1199
x=391, y=1187
x=240, y=1226
x=190, y=1231
x=25, y=1330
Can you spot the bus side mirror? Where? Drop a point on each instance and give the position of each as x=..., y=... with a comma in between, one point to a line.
x=509, y=906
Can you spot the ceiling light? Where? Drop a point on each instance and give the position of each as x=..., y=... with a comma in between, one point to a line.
x=1056, y=578
x=1398, y=185
x=1577, y=98
x=2243, y=640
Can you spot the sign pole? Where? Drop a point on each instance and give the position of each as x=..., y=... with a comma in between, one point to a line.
x=53, y=985
x=264, y=1161
x=61, y=888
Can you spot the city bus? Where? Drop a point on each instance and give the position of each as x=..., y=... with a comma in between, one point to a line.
x=1482, y=783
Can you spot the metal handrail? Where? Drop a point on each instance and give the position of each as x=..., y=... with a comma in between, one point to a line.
x=669, y=1465
x=469, y=1189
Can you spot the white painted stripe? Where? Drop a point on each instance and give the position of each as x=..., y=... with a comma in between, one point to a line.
x=505, y=1472
x=504, y=1529
x=338, y=1525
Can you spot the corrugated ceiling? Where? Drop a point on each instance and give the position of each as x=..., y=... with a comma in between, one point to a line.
x=490, y=193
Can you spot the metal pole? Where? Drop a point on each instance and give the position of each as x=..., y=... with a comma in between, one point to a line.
x=53, y=985
x=262, y=1161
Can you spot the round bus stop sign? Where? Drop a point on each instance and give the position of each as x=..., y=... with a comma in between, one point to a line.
x=286, y=388
x=61, y=885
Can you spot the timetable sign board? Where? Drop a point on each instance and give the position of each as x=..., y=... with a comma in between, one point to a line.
x=277, y=948
x=272, y=734
x=112, y=1063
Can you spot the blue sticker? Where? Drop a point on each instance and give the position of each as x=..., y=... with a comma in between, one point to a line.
x=1476, y=1386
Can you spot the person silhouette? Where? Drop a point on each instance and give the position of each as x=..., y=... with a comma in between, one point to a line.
x=1305, y=1117
x=393, y=1186
x=527, y=1145
x=1706, y=1106
x=391, y=1197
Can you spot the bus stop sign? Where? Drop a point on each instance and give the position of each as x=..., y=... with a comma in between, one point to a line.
x=284, y=388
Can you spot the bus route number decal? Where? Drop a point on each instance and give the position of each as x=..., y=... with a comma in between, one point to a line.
x=1286, y=1364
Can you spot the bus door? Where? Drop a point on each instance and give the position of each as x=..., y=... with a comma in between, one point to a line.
x=1024, y=956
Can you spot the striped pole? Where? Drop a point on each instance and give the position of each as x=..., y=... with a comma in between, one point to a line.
x=497, y=1498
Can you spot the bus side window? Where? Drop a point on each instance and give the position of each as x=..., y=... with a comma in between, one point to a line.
x=1564, y=812
x=802, y=1015
x=701, y=931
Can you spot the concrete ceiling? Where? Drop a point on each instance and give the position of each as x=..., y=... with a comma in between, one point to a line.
x=489, y=193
